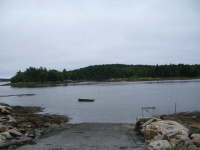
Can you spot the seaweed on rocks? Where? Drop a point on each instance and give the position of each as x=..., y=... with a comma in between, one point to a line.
x=22, y=124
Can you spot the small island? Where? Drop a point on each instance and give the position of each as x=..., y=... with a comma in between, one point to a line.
x=108, y=73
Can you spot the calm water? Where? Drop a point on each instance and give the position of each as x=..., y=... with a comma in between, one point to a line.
x=119, y=102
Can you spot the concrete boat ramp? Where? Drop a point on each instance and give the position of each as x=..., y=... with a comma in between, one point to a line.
x=92, y=136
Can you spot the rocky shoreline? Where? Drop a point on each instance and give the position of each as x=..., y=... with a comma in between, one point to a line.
x=22, y=124
x=179, y=131
x=149, y=79
x=17, y=95
x=103, y=80
x=38, y=83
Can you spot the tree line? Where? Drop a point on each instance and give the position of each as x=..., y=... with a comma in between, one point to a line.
x=107, y=71
x=4, y=80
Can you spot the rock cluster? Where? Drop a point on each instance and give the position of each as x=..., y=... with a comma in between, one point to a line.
x=8, y=129
x=162, y=134
x=20, y=127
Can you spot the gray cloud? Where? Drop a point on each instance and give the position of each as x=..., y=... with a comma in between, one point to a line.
x=73, y=34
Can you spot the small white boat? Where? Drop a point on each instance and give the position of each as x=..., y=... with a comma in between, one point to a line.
x=85, y=100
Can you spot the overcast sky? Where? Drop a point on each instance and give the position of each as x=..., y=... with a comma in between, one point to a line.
x=73, y=34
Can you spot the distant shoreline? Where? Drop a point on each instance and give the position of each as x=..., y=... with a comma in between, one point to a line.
x=151, y=79
x=107, y=80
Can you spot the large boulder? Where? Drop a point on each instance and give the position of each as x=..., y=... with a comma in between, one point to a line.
x=159, y=145
x=167, y=128
x=162, y=134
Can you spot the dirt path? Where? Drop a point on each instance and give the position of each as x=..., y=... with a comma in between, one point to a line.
x=92, y=136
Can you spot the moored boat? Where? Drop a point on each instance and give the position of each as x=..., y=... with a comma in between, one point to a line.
x=85, y=100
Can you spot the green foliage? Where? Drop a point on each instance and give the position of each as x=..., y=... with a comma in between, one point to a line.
x=172, y=148
x=37, y=75
x=134, y=77
x=102, y=72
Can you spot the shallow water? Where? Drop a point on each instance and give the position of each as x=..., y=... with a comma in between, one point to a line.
x=115, y=102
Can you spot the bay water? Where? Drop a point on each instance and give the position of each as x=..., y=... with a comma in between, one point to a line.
x=115, y=102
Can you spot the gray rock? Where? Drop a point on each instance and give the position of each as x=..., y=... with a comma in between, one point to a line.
x=160, y=144
x=181, y=146
x=182, y=137
x=174, y=142
x=150, y=134
x=3, y=119
x=196, y=140
x=193, y=135
x=5, y=111
x=14, y=132
x=143, y=119
x=158, y=137
x=194, y=129
x=148, y=122
x=2, y=137
x=2, y=128
x=188, y=143
x=6, y=134
x=54, y=126
x=192, y=147
x=194, y=117
x=47, y=124
x=11, y=119
x=171, y=135
x=3, y=104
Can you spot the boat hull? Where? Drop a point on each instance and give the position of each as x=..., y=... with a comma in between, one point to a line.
x=85, y=100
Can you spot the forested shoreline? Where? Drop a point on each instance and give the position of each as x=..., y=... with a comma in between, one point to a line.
x=107, y=71
x=4, y=80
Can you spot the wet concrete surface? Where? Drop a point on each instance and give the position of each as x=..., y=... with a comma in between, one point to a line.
x=92, y=136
